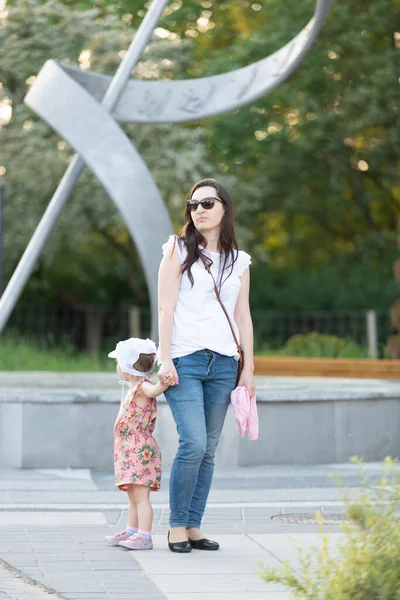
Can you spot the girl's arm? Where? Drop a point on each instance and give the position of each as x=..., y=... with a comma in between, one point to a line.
x=153, y=390
x=243, y=320
x=169, y=277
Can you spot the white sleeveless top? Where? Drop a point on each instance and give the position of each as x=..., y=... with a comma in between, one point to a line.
x=199, y=321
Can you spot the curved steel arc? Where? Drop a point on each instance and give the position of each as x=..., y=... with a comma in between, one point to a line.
x=109, y=153
x=195, y=99
x=76, y=166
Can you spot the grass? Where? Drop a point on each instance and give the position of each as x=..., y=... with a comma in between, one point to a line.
x=17, y=354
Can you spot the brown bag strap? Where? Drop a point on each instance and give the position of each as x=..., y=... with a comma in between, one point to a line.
x=207, y=266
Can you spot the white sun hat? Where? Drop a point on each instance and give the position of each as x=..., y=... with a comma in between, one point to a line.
x=127, y=353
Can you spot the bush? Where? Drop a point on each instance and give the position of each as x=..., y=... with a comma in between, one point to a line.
x=366, y=563
x=324, y=346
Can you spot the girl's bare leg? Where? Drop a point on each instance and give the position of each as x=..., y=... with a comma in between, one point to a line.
x=141, y=499
x=132, y=510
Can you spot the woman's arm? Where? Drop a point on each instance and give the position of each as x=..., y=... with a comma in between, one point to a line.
x=243, y=320
x=169, y=278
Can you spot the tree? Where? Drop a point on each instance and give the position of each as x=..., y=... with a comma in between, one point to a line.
x=90, y=257
x=313, y=167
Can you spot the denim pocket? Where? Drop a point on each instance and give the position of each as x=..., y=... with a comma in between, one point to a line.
x=235, y=363
x=175, y=361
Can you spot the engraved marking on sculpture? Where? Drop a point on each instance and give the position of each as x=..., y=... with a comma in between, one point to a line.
x=152, y=106
x=193, y=100
x=245, y=88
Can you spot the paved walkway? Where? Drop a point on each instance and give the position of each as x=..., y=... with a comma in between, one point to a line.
x=15, y=585
x=52, y=525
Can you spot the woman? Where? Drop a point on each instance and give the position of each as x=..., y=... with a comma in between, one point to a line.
x=197, y=347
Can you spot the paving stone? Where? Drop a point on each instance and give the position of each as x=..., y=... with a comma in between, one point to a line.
x=139, y=596
x=58, y=567
x=20, y=560
x=73, y=557
x=87, y=596
x=15, y=548
x=137, y=591
x=32, y=571
x=244, y=552
x=62, y=547
x=111, y=516
x=156, y=595
x=108, y=565
x=105, y=554
x=232, y=596
x=207, y=565
x=15, y=586
x=142, y=588
x=93, y=545
x=87, y=531
x=117, y=579
x=74, y=582
x=212, y=583
x=48, y=537
x=50, y=518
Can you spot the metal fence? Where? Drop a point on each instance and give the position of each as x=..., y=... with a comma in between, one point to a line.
x=99, y=327
x=274, y=328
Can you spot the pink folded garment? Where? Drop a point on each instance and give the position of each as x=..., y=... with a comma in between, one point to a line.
x=245, y=409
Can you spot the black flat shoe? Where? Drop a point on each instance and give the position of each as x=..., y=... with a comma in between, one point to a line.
x=204, y=544
x=181, y=547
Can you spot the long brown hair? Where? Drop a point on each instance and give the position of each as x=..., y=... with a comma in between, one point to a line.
x=192, y=238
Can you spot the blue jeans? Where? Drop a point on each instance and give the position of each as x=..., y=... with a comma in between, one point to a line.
x=198, y=404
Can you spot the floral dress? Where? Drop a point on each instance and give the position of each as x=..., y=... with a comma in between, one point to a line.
x=137, y=457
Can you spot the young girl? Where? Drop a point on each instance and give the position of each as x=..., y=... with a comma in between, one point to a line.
x=137, y=458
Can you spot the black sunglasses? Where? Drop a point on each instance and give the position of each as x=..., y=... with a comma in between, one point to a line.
x=206, y=203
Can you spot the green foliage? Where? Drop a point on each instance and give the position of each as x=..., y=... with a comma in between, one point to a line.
x=34, y=353
x=89, y=257
x=308, y=142
x=321, y=229
x=20, y=354
x=322, y=287
x=323, y=346
x=365, y=565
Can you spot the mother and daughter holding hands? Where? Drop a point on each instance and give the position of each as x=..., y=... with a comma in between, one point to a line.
x=202, y=275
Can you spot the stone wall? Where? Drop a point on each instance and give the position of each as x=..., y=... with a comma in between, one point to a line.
x=66, y=421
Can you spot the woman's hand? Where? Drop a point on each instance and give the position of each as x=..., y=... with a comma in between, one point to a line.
x=167, y=374
x=247, y=380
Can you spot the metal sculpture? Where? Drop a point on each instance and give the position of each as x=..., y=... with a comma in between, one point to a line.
x=85, y=108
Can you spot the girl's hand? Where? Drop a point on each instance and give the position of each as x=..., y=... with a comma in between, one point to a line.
x=247, y=380
x=168, y=378
x=167, y=374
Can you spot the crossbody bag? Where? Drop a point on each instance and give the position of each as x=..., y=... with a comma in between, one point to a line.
x=239, y=349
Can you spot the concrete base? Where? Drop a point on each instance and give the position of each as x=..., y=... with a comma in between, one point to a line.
x=61, y=420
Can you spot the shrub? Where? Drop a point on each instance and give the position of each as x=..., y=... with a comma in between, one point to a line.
x=322, y=345
x=366, y=563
